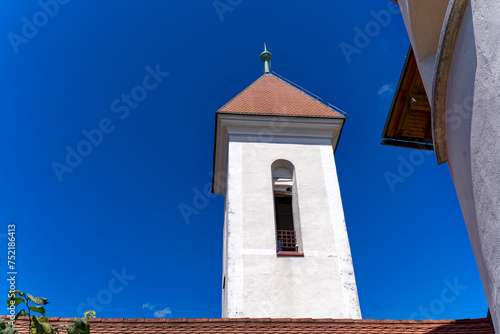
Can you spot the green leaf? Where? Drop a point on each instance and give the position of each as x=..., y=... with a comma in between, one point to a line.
x=90, y=314
x=79, y=323
x=2, y=326
x=87, y=329
x=16, y=292
x=38, y=300
x=17, y=301
x=43, y=319
x=48, y=328
x=37, y=325
x=21, y=313
x=69, y=329
x=38, y=309
x=11, y=330
x=82, y=325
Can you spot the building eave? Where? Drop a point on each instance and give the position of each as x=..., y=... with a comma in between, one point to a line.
x=409, y=122
x=248, y=128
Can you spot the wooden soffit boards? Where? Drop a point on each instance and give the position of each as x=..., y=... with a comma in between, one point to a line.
x=409, y=121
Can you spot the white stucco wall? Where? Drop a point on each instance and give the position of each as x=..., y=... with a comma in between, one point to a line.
x=424, y=20
x=466, y=126
x=473, y=137
x=259, y=283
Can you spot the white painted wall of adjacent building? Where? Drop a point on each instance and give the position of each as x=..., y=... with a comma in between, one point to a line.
x=469, y=51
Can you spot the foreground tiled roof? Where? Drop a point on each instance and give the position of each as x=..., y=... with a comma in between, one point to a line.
x=282, y=326
x=269, y=95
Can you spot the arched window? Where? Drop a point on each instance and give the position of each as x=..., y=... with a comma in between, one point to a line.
x=285, y=209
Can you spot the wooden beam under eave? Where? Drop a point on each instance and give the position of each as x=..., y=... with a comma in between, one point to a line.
x=419, y=102
x=410, y=115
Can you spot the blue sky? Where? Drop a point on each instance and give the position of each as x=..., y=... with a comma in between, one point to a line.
x=106, y=229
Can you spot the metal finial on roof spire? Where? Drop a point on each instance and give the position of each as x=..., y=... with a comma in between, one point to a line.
x=266, y=57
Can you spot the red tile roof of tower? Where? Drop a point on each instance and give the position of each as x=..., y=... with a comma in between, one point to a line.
x=270, y=95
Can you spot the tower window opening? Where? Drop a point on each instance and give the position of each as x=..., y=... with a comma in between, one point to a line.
x=287, y=237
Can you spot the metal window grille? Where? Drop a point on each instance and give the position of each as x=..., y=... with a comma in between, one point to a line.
x=287, y=241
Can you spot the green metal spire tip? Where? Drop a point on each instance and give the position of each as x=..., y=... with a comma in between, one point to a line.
x=266, y=57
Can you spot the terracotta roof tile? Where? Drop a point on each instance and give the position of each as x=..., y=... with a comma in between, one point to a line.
x=276, y=326
x=269, y=95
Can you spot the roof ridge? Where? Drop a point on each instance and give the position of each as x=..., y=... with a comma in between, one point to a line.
x=309, y=94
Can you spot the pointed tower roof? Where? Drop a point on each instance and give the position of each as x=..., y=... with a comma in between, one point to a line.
x=244, y=117
x=270, y=95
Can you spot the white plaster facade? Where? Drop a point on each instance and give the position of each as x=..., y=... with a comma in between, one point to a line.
x=465, y=82
x=258, y=282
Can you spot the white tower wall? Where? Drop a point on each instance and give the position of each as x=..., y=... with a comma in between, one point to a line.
x=257, y=281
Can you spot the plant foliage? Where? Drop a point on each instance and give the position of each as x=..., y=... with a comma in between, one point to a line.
x=38, y=322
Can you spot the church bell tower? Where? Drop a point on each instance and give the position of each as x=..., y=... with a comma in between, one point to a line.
x=286, y=251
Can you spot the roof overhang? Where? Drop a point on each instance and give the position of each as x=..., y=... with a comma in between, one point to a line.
x=268, y=129
x=409, y=122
